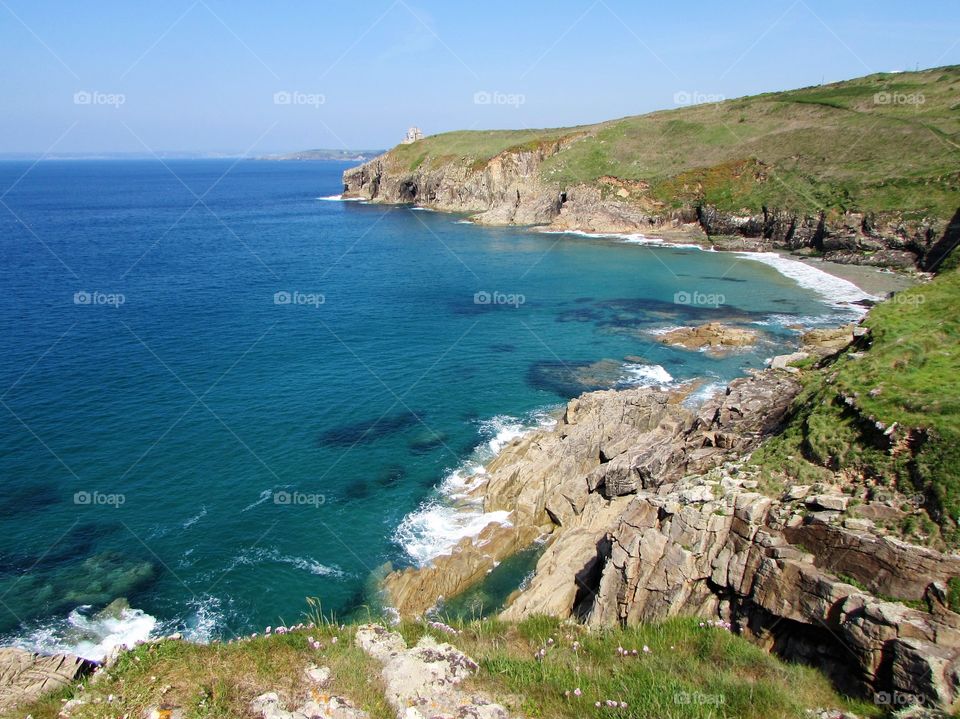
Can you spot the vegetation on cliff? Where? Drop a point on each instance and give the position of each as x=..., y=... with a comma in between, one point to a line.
x=882, y=143
x=885, y=414
x=537, y=668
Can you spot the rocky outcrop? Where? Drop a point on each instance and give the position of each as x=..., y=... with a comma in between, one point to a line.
x=510, y=189
x=714, y=337
x=578, y=475
x=319, y=702
x=425, y=681
x=25, y=676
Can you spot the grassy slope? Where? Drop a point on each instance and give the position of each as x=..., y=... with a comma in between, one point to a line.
x=690, y=672
x=831, y=147
x=910, y=375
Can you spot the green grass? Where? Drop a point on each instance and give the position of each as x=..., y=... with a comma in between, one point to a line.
x=690, y=672
x=910, y=375
x=833, y=148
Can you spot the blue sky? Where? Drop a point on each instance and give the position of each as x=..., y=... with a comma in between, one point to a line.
x=251, y=76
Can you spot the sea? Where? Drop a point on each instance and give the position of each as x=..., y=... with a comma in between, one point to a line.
x=224, y=390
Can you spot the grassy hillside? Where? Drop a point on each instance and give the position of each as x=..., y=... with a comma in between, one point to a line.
x=690, y=671
x=886, y=142
x=909, y=375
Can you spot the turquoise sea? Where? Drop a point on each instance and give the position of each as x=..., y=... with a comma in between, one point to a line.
x=221, y=393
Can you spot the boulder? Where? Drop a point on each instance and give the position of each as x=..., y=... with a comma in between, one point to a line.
x=25, y=676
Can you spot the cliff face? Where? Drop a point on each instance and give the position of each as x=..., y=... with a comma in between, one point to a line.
x=509, y=189
x=651, y=513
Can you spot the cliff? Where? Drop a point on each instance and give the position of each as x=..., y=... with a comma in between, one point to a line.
x=858, y=171
x=813, y=510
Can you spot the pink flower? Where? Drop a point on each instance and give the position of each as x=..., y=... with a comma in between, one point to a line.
x=577, y=692
x=333, y=640
x=623, y=705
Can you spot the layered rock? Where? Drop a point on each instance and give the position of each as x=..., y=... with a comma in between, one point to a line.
x=714, y=337
x=25, y=676
x=426, y=680
x=510, y=189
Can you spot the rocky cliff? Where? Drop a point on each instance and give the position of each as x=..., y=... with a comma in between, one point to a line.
x=508, y=189
x=650, y=511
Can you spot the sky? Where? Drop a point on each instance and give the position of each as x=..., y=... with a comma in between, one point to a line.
x=251, y=77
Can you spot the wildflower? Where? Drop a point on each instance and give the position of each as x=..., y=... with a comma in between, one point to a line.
x=577, y=692
x=646, y=649
x=309, y=640
x=635, y=653
x=333, y=640
x=566, y=693
x=268, y=630
x=576, y=646
x=550, y=641
x=623, y=705
x=597, y=704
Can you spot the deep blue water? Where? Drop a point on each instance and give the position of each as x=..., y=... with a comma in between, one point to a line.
x=147, y=447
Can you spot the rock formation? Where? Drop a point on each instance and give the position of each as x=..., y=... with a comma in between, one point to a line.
x=509, y=189
x=25, y=676
x=651, y=513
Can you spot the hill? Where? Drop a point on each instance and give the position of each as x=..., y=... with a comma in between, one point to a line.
x=853, y=168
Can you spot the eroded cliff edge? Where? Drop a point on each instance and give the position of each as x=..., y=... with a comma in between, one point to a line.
x=650, y=510
x=834, y=171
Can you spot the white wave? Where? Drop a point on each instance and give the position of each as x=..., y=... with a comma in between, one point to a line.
x=264, y=496
x=703, y=393
x=252, y=558
x=635, y=238
x=207, y=618
x=463, y=222
x=196, y=518
x=435, y=529
x=658, y=331
x=645, y=375
x=784, y=320
x=454, y=513
x=341, y=198
x=417, y=208
x=88, y=635
x=835, y=290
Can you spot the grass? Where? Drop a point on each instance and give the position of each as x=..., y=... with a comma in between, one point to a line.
x=910, y=375
x=881, y=143
x=220, y=680
x=691, y=671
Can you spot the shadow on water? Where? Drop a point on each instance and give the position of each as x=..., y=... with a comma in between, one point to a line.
x=368, y=430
